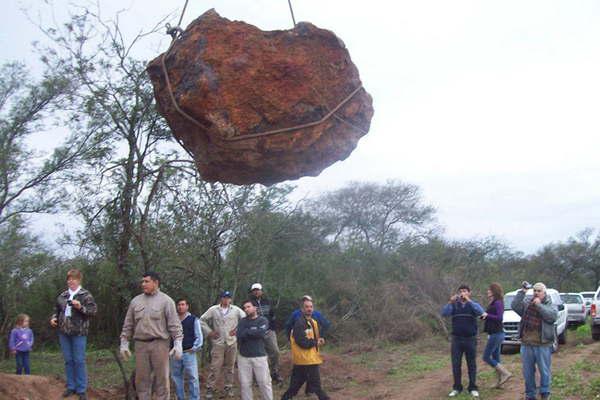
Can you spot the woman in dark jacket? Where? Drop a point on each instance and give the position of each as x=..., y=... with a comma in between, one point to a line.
x=72, y=311
x=493, y=327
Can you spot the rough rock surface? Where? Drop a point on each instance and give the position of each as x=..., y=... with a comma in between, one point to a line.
x=236, y=80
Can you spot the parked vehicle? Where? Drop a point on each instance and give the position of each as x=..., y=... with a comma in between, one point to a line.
x=595, y=315
x=575, y=304
x=588, y=297
x=511, y=319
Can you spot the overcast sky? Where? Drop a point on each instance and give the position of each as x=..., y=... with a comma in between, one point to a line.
x=492, y=108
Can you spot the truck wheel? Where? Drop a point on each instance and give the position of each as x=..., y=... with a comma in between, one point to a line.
x=562, y=338
x=596, y=332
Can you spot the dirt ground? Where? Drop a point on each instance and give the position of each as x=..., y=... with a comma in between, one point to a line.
x=365, y=373
x=377, y=384
x=33, y=387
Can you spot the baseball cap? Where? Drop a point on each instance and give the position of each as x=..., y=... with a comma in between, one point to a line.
x=225, y=293
x=256, y=286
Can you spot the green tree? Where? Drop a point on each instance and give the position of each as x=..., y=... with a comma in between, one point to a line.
x=373, y=215
x=23, y=260
x=115, y=190
x=31, y=182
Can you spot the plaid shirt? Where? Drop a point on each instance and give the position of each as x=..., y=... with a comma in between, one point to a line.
x=532, y=325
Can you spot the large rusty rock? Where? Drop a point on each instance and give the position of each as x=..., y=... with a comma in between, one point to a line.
x=236, y=81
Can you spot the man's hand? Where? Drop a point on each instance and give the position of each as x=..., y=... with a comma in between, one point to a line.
x=13, y=352
x=124, y=349
x=232, y=332
x=54, y=322
x=536, y=300
x=453, y=298
x=484, y=315
x=76, y=304
x=466, y=297
x=321, y=342
x=177, y=351
x=214, y=335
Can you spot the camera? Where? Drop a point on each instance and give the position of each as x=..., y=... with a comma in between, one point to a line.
x=69, y=303
x=526, y=285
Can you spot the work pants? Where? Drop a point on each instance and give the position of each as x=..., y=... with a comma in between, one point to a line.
x=222, y=357
x=259, y=367
x=152, y=369
x=272, y=348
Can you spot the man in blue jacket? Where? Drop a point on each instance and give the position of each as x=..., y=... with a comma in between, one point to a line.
x=464, y=313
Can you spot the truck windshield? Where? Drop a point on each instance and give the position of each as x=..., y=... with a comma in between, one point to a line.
x=509, y=298
x=571, y=299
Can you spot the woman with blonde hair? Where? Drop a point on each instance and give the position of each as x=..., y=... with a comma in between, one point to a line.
x=494, y=328
x=72, y=311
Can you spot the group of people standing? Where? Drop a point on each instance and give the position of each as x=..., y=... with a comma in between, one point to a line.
x=167, y=336
x=536, y=330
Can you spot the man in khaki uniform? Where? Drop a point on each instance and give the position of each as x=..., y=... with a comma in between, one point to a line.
x=219, y=323
x=152, y=321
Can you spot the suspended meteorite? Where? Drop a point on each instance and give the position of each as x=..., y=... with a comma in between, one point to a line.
x=238, y=90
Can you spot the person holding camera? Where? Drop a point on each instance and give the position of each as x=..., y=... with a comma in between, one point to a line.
x=464, y=313
x=537, y=334
x=73, y=309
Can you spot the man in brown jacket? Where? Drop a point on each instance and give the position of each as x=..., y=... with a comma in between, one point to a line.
x=219, y=324
x=152, y=321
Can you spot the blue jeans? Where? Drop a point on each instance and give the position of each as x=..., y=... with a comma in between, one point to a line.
x=22, y=358
x=73, y=349
x=187, y=367
x=542, y=357
x=468, y=347
x=491, y=354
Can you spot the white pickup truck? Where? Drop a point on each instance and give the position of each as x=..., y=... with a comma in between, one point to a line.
x=595, y=315
x=511, y=319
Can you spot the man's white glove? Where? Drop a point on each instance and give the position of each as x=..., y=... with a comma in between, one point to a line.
x=124, y=349
x=177, y=350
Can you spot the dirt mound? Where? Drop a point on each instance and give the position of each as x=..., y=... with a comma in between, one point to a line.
x=34, y=387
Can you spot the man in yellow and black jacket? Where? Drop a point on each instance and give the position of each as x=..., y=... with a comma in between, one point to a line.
x=305, y=343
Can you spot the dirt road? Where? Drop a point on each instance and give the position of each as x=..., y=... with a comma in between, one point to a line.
x=576, y=376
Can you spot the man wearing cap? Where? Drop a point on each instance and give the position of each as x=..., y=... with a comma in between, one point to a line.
x=219, y=323
x=152, y=321
x=265, y=309
x=537, y=336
